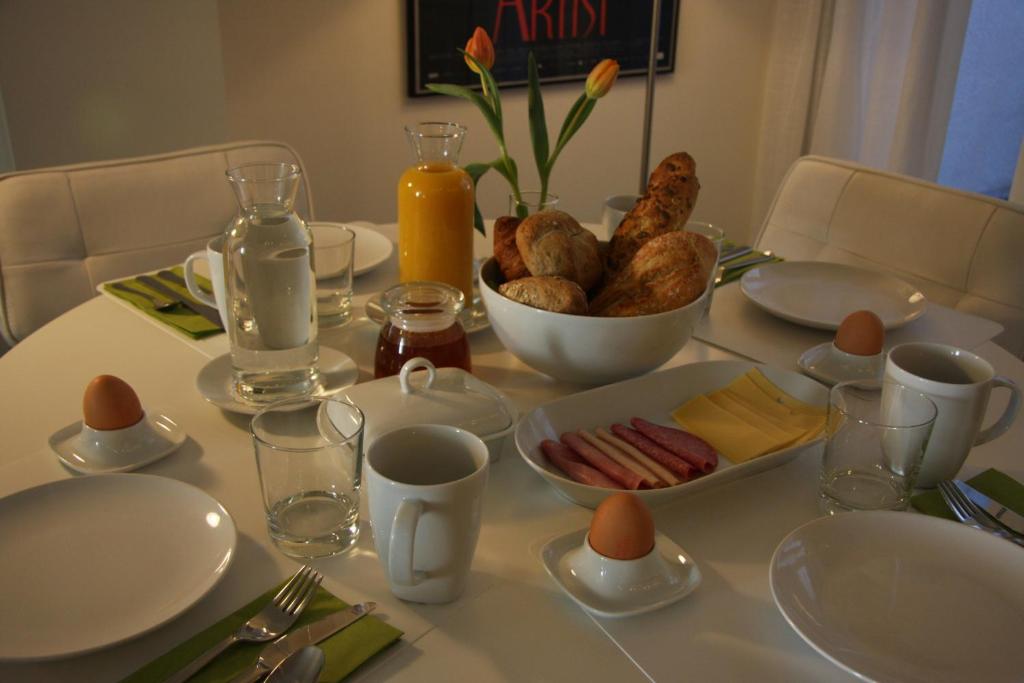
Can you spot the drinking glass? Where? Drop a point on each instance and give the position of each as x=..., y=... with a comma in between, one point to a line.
x=530, y=202
x=308, y=454
x=333, y=261
x=875, y=441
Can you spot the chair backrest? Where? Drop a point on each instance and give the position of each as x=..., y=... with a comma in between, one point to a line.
x=963, y=250
x=64, y=230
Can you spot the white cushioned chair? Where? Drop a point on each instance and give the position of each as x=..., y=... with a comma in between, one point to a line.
x=64, y=230
x=963, y=250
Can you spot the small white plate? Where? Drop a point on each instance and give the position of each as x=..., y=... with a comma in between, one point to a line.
x=819, y=294
x=681, y=577
x=89, y=562
x=214, y=380
x=900, y=596
x=830, y=366
x=372, y=248
x=163, y=438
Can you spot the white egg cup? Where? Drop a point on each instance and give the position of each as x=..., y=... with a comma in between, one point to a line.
x=93, y=451
x=830, y=365
x=618, y=588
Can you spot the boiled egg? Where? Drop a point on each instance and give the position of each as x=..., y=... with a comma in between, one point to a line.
x=861, y=333
x=622, y=528
x=110, y=403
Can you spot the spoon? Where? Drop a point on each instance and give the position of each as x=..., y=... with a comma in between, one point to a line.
x=301, y=666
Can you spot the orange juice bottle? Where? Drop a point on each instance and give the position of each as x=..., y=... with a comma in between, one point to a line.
x=435, y=210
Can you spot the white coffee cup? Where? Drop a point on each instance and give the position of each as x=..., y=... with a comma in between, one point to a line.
x=425, y=486
x=615, y=209
x=959, y=383
x=214, y=255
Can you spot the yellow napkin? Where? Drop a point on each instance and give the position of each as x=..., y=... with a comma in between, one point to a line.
x=750, y=417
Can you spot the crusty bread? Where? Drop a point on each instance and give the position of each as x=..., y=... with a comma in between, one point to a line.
x=667, y=272
x=553, y=243
x=506, y=253
x=549, y=292
x=667, y=205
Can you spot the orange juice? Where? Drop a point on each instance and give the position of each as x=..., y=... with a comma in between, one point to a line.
x=435, y=225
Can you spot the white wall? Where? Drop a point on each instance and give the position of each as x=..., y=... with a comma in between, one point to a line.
x=121, y=77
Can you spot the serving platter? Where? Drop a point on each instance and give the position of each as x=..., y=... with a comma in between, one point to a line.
x=820, y=294
x=653, y=397
x=898, y=596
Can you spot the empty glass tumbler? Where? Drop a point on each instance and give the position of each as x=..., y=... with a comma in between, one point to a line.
x=270, y=286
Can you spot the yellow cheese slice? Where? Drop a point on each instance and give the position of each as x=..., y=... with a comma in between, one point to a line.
x=731, y=436
x=779, y=396
x=776, y=413
x=786, y=434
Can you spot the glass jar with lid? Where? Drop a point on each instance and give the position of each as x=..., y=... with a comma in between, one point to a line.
x=423, y=321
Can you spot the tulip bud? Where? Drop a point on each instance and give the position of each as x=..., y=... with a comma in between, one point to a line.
x=601, y=78
x=480, y=46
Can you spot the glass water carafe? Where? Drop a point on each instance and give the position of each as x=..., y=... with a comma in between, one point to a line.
x=435, y=210
x=268, y=270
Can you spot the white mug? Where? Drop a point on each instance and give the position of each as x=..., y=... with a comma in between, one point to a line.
x=425, y=487
x=615, y=209
x=959, y=383
x=214, y=255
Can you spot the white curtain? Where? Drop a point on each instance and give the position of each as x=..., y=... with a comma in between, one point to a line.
x=871, y=81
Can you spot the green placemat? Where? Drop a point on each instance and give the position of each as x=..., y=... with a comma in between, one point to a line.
x=179, y=317
x=993, y=483
x=344, y=651
x=737, y=273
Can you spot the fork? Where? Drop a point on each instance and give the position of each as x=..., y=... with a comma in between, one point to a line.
x=272, y=621
x=970, y=514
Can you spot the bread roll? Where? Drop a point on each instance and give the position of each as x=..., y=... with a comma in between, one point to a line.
x=548, y=292
x=667, y=205
x=669, y=271
x=506, y=253
x=553, y=243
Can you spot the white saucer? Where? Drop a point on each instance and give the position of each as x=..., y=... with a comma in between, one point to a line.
x=473, y=318
x=371, y=250
x=160, y=437
x=681, y=576
x=214, y=380
x=830, y=366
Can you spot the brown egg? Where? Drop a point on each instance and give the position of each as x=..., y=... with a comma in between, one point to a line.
x=861, y=333
x=110, y=403
x=622, y=528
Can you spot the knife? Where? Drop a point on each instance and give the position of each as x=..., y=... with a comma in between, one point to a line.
x=277, y=651
x=767, y=256
x=999, y=512
x=171, y=276
x=207, y=312
x=734, y=253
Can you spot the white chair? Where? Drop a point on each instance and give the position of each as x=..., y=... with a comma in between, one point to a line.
x=963, y=250
x=66, y=229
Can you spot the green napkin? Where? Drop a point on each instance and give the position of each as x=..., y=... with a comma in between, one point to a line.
x=179, y=317
x=737, y=273
x=344, y=651
x=993, y=483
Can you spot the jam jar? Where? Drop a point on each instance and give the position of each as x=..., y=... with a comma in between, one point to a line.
x=423, y=320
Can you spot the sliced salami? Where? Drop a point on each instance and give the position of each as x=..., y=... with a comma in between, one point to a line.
x=655, y=452
x=563, y=457
x=598, y=460
x=693, y=449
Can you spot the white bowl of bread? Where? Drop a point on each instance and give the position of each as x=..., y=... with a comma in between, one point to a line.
x=590, y=313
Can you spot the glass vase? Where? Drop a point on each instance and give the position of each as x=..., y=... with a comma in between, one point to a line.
x=270, y=287
x=531, y=202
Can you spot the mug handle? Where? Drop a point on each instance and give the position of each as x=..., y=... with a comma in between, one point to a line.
x=192, y=284
x=1004, y=422
x=400, y=546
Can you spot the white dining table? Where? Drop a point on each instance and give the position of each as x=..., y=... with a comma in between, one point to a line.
x=513, y=623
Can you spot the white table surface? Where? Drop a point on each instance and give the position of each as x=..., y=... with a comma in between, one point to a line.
x=513, y=624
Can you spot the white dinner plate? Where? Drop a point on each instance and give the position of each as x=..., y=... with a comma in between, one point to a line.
x=680, y=577
x=372, y=248
x=900, y=596
x=90, y=562
x=214, y=380
x=653, y=397
x=819, y=294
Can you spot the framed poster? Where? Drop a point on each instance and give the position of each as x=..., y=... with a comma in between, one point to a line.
x=568, y=37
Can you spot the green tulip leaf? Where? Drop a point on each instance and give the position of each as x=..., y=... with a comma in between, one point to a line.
x=538, y=124
x=490, y=85
x=493, y=121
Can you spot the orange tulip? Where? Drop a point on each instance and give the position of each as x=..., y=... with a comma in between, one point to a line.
x=601, y=78
x=481, y=48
